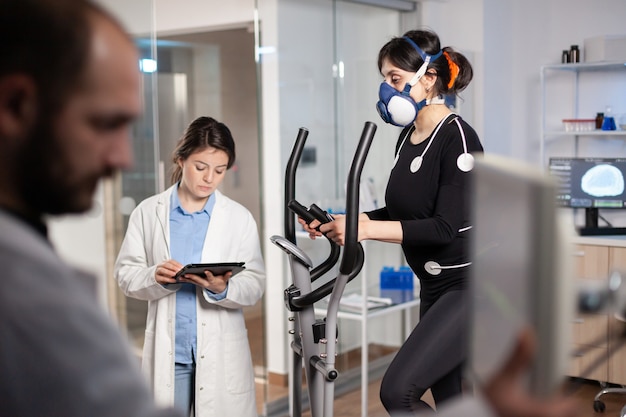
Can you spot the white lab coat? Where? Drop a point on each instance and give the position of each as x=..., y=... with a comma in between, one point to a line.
x=224, y=373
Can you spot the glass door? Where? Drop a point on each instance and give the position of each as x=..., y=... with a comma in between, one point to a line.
x=213, y=73
x=329, y=83
x=125, y=191
x=326, y=53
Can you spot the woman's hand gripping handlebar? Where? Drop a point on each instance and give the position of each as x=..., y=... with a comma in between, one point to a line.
x=310, y=218
x=316, y=214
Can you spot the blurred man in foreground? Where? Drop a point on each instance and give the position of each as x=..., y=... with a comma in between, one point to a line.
x=69, y=91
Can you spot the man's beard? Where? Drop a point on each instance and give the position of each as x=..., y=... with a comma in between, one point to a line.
x=47, y=183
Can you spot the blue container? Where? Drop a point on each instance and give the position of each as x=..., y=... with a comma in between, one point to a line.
x=396, y=284
x=608, y=123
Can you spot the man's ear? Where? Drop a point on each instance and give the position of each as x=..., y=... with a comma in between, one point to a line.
x=18, y=105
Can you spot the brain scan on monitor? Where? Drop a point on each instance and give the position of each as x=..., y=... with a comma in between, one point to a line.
x=603, y=180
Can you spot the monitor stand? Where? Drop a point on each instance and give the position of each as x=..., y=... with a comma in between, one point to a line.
x=591, y=226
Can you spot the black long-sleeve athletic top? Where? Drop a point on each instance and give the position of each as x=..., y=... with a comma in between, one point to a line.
x=432, y=205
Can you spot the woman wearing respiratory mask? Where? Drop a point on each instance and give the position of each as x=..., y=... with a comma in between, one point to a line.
x=427, y=212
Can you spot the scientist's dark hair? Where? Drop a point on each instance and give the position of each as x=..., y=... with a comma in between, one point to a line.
x=403, y=55
x=50, y=42
x=204, y=132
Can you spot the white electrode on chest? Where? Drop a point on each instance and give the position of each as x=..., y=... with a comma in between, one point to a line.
x=465, y=161
x=416, y=163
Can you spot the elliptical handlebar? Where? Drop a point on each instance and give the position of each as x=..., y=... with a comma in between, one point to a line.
x=316, y=213
x=321, y=292
x=313, y=213
x=290, y=181
x=351, y=245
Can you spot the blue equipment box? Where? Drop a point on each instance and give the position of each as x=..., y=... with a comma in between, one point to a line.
x=396, y=284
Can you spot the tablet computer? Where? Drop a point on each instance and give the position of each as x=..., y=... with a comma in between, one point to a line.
x=219, y=268
x=521, y=271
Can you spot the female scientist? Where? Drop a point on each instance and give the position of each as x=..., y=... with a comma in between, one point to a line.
x=196, y=353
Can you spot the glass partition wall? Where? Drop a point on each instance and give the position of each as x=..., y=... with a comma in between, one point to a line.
x=328, y=80
x=216, y=75
x=209, y=73
x=329, y=83
x=124, y=192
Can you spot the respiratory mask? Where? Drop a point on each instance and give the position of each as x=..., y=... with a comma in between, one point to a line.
x=397, y=107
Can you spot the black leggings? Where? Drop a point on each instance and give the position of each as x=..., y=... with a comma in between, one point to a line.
x=432, y=357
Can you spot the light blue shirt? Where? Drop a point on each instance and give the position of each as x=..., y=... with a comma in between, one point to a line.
x=187, y=233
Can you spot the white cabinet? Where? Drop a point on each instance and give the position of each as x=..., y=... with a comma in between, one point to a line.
x=580, y=91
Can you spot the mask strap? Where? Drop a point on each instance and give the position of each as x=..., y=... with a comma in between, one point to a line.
x=427, y=60
x=420, y=72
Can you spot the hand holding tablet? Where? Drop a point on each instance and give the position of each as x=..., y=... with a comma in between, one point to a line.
x=219, y=268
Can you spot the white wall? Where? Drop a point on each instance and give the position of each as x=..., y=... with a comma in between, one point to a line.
x=272, y=204
x=511, y=41
x=459, y=24
x=80, y=240
x=182, y=16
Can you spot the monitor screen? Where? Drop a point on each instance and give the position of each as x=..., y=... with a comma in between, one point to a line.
x=590, y=182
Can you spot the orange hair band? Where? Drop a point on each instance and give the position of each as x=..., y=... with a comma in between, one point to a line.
x=454, y=69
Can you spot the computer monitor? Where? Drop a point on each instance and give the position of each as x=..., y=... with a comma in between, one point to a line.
x=520, y=274
x=591, y=184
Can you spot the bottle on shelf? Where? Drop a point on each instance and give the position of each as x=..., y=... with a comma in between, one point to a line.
x=599, y=120
x=574, y=54
x=565, y=57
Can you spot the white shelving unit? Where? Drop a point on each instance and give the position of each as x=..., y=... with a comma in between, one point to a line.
x=576, y=70
x=364, y=316
x=579, y=91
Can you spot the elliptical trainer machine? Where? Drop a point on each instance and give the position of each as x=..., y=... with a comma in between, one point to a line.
x=314, y=340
